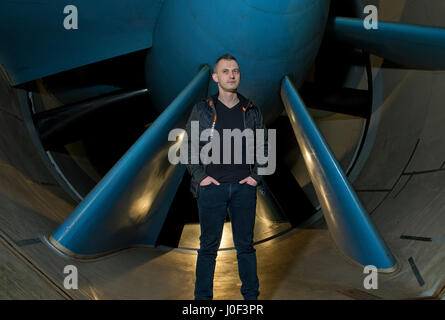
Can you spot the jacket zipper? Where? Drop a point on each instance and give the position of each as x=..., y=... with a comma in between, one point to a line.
x=212, y=130
x=244, y=123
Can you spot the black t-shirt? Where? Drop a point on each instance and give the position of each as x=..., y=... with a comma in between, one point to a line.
x=229, y=118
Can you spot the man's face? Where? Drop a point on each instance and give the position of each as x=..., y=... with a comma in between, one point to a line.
x=227, y=75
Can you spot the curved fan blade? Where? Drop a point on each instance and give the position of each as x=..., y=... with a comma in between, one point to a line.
x=65, y=124
x=348, y=222
x=413, y=46
x=129, y=205
x=37, y=43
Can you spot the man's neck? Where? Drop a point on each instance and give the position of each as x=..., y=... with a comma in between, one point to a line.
x=230, y=99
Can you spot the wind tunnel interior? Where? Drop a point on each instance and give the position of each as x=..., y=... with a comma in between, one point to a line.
x=84, y=150
x=90, y=141
x=397, y=178
x=81, y=143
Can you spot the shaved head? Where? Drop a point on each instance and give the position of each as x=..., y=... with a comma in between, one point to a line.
x=223, y=57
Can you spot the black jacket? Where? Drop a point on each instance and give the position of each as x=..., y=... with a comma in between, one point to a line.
x=204, y=111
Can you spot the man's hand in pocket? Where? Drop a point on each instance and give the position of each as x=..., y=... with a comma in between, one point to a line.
x=208, y=180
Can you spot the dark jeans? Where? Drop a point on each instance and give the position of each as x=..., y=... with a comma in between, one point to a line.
x=213, y=202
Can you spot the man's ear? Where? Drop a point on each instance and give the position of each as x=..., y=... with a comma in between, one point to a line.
x=215, y=77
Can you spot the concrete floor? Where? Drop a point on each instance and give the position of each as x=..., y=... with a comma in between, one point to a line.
x=400, y=179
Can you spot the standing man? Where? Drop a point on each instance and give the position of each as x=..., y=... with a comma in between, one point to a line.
x=223, y=186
